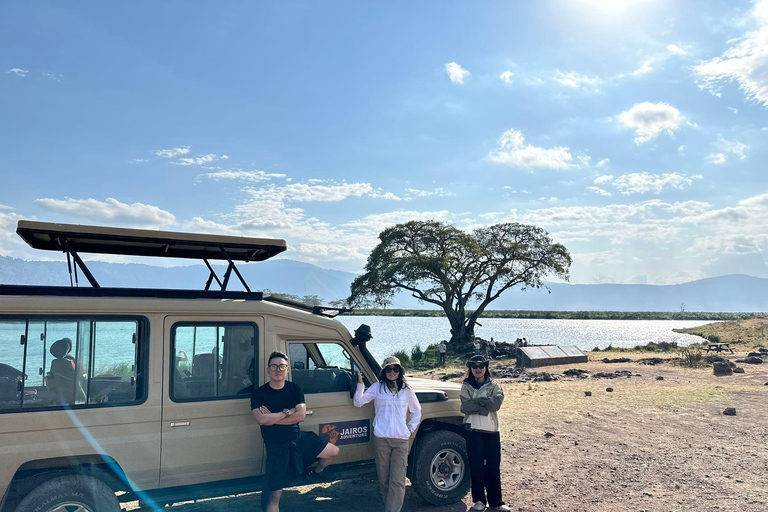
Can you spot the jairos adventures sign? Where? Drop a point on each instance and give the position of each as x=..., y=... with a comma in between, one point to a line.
x=346, y=432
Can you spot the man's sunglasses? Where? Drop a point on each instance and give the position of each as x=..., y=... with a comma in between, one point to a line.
x=276, y=367
x=392, y=369
x=477, y=366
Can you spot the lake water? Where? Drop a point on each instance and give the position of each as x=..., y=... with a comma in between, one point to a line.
x=391, y=334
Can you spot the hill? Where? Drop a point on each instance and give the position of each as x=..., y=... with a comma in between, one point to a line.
x=731, y=293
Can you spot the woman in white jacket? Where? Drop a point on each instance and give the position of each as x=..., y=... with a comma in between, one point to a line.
x=392, y=398
x=481, y=397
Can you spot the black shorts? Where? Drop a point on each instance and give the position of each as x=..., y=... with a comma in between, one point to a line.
x=280, y=469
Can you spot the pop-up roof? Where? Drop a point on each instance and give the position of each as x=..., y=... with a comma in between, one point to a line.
x=74, y=239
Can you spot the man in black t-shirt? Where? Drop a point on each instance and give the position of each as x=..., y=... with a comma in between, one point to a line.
x=279, y=407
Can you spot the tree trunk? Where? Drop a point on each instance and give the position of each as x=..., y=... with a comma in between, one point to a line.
x=460, y=334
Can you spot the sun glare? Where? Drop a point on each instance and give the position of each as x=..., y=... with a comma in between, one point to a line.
x=612, y=7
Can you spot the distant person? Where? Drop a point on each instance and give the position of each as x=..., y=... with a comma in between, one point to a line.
x=392, y=399
x=441, y=350
x=476, y=344
x=524, y=343
x=289, y=449
x=484, y=347
x=492, y=347
x=481, y=398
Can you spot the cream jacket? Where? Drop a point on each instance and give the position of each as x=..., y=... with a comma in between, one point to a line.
x=480, y=405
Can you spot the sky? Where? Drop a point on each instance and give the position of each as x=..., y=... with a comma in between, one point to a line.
x=632, y=131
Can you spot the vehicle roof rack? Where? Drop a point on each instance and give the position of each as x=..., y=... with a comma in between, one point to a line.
x=74, y=239
x=316, y=310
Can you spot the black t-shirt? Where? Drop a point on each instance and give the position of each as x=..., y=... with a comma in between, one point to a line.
x=276, y=400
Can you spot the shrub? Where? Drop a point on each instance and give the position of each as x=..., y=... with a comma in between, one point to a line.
x=714, y=338
x=430, y=354
x=405, y=359
x=124, y=370
x=416, y=354
x=596, y=349
x=664, y=346
x=690, y=357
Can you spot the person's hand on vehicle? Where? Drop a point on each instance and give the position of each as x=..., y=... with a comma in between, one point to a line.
x=359, y=378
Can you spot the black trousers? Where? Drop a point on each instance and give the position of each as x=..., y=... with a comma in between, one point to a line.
x=484, y=451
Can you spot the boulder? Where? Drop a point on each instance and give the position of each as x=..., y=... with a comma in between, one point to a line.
x=730, y=411
x=722, y=368
x=751, y=360
x=755, y=354
x=617, y=360
x=738, y=369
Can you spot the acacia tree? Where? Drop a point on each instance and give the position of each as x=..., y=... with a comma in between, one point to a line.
x=442, y=265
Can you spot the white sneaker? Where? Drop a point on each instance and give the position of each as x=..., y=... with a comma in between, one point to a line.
x=479, y=506
x=503, y=508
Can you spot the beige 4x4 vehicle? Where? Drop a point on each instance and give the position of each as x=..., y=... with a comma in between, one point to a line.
x=110, y=395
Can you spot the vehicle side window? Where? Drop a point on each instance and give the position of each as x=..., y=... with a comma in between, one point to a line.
x=213, y=360
x=321, y=367
x=70, y=362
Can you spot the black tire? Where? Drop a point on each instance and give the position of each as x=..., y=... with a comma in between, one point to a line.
x=71, y=493
x=441, y=468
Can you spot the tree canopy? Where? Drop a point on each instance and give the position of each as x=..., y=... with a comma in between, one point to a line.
x=450, y=268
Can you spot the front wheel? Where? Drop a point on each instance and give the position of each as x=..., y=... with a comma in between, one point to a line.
x=71, y=493
x=441, y=472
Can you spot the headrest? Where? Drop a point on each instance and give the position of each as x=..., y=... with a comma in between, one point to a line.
x=61, y=348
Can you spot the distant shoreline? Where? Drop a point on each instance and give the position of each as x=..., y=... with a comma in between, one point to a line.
x=567, y=315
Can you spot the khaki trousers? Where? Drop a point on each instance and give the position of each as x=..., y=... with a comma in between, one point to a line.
x=391, y=466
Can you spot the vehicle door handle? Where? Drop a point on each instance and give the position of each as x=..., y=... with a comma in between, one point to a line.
x=310, y=413
x=179, y=424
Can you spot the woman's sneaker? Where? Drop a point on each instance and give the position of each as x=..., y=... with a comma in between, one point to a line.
x=479, y=506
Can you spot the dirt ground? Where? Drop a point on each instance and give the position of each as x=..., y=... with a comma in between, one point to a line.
x=649, y=445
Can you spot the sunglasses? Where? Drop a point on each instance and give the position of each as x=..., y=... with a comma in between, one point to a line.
x=477, y=366
x=276, y=367
x=392, y=369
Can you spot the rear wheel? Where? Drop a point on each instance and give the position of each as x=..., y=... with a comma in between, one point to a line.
x=70, y=493
x=441, y=472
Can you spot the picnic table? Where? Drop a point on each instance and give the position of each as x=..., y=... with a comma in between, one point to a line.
x=719, y=347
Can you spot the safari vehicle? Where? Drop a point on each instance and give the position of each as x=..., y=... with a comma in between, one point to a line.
x=110, y=395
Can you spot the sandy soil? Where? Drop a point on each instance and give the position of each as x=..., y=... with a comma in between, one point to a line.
x=649, y=445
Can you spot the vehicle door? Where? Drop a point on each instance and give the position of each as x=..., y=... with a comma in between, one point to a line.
x=326, y=371
x=208, y=431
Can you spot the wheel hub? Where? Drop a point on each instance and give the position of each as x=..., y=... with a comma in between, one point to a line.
x=447, y=470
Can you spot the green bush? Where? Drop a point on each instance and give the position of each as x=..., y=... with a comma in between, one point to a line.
x=405, y=359
x=714, y=338
x=416, y=354
x=664, y=346
x=596, y=349
x=123, y=370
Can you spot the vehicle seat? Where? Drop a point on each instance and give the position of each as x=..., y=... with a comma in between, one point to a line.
x=62, y=377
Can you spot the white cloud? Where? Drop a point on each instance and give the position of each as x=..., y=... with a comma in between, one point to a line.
x=603, y=163
x=506, y=77
x=645, y=67
x=112, y=210
x=253, y=176
x=735, y=229
x=676, y=50
x=201, y=160
x=173, y=152
x=681, y=149
x=606, y=178
x=716, y=158
x=440, y=192
x=18, y=71
x=733, y=147
x=745, y=62
x=5, y=207
x=456, y=73
x=645, y=183
x=574, y=80
x=599, y=191
x=650, y=119
x=513, y=152
x=734, y=110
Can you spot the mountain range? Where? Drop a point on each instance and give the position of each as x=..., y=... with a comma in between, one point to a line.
x=730, y=293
